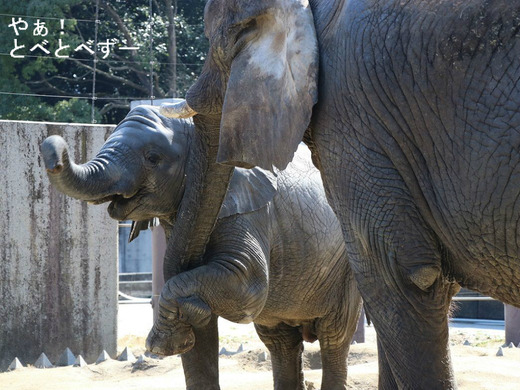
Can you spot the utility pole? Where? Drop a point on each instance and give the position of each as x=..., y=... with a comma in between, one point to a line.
x=171, y=11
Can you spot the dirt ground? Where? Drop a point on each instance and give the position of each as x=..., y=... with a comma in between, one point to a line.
x=476, y=365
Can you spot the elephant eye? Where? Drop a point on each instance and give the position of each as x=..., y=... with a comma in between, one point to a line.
x=153, y=158
x=243, y=31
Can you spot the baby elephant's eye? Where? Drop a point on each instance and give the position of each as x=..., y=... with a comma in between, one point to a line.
x=153, y=158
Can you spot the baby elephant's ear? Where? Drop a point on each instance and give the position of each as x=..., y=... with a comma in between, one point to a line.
x=249, y=190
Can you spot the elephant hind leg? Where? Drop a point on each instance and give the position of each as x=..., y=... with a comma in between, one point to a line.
x=285, y=344
x=335, y=333
x=334, y=353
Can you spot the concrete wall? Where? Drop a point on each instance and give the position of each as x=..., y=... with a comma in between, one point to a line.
x=58, y=256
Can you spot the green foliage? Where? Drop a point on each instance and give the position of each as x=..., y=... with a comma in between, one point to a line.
x=74, y=110
x=121, y=77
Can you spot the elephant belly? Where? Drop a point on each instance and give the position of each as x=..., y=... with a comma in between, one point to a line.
x=308, y=269
x=295, y=300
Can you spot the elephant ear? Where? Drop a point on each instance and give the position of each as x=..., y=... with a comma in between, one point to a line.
x=271, y=87
x=248, y=190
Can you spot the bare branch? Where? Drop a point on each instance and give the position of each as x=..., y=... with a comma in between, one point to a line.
x=48, y=85
x=120, y=24
x=112, y=105
x=119, y=79
x=128, y=37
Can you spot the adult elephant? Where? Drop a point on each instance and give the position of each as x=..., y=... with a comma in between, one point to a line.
x=275, y=257
x=416, y=134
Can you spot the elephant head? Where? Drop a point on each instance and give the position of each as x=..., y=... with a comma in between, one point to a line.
x=140, y=169
x=260, y=78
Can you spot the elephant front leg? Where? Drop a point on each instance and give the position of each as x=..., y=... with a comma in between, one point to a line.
x=233, y=285
x=413, y=344
x=285, y=344
x=401, y=268
x=410, y=316
x=386, y=378
x=200, y=364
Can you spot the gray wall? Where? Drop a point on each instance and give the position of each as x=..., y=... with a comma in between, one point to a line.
x=58, y=256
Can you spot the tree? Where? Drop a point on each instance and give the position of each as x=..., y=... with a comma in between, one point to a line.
x=164, y=65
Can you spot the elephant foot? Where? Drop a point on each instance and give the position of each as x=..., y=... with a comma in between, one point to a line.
x=171, y=340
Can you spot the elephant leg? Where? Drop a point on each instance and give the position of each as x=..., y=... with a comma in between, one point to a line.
x=334, y=362
x=285, y=344
x=414, y=351
x=411, y=321
x=200, y=364
x=335, y=333
x=386, y=378
x=400, y=265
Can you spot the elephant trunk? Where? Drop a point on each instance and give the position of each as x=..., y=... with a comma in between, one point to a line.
x=95, y=181
x=206, y=187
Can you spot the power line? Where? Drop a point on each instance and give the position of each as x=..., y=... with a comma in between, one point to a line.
x=72, y=96
x=104, y=61
x=81, y=20
x=40, y=95
x=48, y=17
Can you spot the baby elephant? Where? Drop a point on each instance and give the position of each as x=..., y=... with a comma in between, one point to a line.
x=276, y=256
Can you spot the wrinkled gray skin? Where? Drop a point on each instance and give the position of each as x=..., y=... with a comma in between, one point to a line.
x=276, y=255
x=416, y=134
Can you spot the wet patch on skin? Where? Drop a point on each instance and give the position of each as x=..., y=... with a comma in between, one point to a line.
x=279, y=49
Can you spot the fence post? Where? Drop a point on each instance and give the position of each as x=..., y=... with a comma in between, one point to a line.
x=512, y=319
x=158, y=251
x=359, y=335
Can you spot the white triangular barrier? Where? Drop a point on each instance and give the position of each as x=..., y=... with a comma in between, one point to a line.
x=15, y=365
x=43, y=362
x=126, y=356
x=80, y=362
x=67, y=358
x=103, y=356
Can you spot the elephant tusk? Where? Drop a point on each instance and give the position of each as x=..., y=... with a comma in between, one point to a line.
x=177, y=110
x=57, y=169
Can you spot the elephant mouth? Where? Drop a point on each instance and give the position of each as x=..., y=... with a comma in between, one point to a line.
x=104, y=199
x=118, y=208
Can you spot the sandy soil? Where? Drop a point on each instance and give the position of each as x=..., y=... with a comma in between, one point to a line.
x=476, y=365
